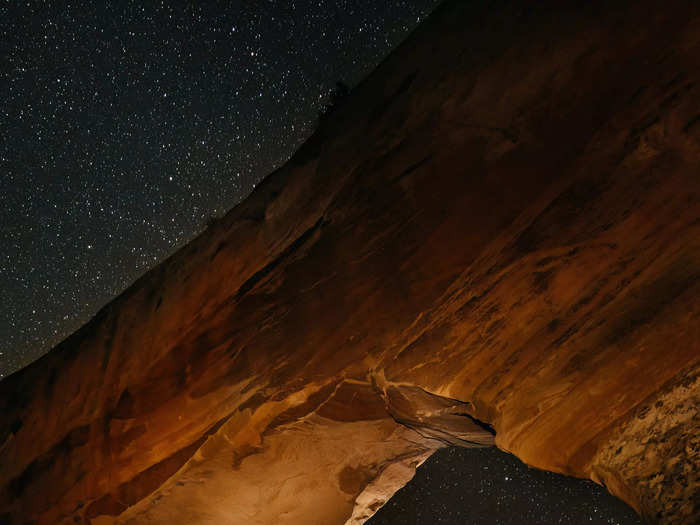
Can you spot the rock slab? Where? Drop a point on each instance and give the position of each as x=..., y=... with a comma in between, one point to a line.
x=494, y=239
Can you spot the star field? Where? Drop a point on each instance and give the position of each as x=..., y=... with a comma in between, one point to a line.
x=125, y=125
x=458, y=486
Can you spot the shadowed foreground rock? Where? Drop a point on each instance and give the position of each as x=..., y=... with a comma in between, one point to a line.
x=499, y=229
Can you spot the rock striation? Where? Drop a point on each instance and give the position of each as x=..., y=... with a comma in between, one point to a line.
x=494, y=239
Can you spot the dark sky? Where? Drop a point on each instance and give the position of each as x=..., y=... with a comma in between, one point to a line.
x=458, y=486
x=125, y=125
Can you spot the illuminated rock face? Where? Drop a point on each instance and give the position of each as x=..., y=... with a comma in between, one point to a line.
x=499, y=229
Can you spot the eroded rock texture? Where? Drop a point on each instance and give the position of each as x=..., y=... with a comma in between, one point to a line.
x=499, y=229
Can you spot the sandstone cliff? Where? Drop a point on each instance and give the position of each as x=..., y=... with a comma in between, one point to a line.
x=498, y=231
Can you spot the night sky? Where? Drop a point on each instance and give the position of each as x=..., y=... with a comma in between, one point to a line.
x=458, y=486
x=124, y=126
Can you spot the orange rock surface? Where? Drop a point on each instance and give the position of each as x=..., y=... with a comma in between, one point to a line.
x=497, y=231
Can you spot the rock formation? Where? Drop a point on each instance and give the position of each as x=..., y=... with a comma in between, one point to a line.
x=495, y=237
